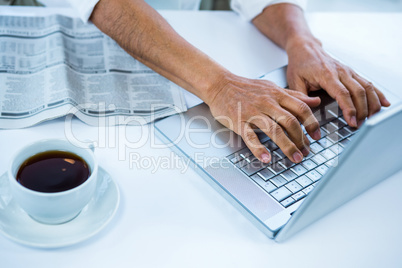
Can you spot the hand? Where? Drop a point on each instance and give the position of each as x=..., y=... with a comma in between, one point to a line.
x=243, y=104
x=311, y=68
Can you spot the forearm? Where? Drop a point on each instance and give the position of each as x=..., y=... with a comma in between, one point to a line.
x=285, y=25
x=146, y=36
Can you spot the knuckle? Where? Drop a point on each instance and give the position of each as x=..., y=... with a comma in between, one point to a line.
x=327, y=71
x=274, y=131
x=344, y=70
x=249, y=136
x=369, y=85
x=343, y=93
x=303, y=108
x=360, y=93
x=288, y=122
x=264, y=100
x=251, y=141
x=376, y=108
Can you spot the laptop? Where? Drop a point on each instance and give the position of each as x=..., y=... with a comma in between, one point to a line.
x=281, y=198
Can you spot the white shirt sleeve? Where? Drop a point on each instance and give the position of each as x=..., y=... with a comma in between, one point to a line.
x=83, y=7
x=249, y=9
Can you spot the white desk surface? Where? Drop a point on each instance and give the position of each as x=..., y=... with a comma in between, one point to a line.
x=173, y=219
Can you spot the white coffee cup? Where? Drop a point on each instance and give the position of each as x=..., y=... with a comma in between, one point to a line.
x=58, y=207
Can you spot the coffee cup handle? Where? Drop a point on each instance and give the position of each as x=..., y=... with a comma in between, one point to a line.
x=90, y=145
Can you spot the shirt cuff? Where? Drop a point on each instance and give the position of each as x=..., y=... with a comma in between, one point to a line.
x=249, y=9
x=84, y=8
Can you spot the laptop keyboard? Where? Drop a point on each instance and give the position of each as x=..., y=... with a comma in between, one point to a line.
x=288, y=182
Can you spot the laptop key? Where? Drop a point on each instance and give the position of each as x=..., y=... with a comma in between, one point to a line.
x=324, y=132
x=289, y=175
x=286, y=162
x=245, y=157
x=351, y=129
x=308, y=164
x=299, y=169
x=324, y=142
x=280, y=154
x=293, y=186
x=309, y=155
x=304, y=181
x=311, y=140
x=281, y=193
x=339, y=123
x=308, y=189
x=245, y=152
x=287, y=202
x=278, y=181
x=337, y=149
x=322, y=169
x=345, y=142
x=314, y=175
x=275, y=157
x=235, y=159
x=316, y=148
x=330, y=127
x=241, y=163
x=319, y=159
x=266, y=185
x=253, y=167
x=266, y=174
x=251, y=158
x=328, y=154
x=271, y=145
x=334, y=137
x=332, y=163
x=344, y=132
x=299, y=195
x=276, y=168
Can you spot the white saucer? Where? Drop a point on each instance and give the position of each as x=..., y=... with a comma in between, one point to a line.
x=18, y=226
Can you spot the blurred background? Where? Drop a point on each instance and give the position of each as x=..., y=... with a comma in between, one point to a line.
x=328, y=5
x=313, y=5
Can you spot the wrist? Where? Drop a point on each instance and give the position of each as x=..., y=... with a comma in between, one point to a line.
x=213, y=84
x=302, y=42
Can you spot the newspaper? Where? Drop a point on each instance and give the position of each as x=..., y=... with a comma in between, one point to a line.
x=56, y=65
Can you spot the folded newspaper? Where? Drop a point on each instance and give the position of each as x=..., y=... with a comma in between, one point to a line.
x=56, y=65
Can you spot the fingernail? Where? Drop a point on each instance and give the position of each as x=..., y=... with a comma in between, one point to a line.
x=305, y=151
x=353, y=121
x=297, y=157
x=265, y=158
x=386, y=102
x=317, y=134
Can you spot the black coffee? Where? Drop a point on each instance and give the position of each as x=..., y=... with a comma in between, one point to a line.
x=53, y=171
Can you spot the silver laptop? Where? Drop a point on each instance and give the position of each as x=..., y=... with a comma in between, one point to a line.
x=281, y=197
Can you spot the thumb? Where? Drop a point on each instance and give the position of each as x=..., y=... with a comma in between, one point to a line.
x=298, y=84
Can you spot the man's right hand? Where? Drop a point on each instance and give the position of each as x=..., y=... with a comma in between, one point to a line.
x=243, y=104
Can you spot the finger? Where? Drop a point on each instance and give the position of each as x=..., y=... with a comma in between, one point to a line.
x=310, y=101
x=253, y=143
x=289, y=145
x=338, y=91
x=373, y=101
x=298, y=84
x=359, y=96
x=290, y=124
x=383, y=100
x=304, y=114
